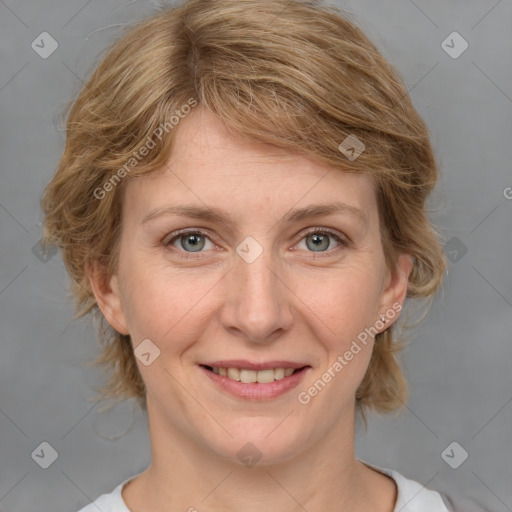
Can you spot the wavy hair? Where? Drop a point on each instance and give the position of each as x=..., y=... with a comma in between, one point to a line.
x=296, y=74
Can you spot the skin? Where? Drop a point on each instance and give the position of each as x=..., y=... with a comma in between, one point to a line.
x=284, y=305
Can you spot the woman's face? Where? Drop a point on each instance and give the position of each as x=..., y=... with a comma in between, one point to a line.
x=252, y=290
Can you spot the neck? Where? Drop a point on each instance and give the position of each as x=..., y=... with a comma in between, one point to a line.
x=187, y=475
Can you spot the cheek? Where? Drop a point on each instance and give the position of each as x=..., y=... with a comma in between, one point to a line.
x=161, y=303
x=342, y=304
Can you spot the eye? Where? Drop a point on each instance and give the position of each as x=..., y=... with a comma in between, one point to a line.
x=190, y=241
x=318, y=240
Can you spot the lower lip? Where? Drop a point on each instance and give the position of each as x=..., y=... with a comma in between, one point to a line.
x=256, y=390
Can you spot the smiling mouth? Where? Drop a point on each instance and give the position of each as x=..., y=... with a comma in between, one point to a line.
x=252, y=376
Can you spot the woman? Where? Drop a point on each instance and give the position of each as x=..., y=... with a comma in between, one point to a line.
x=242, y=199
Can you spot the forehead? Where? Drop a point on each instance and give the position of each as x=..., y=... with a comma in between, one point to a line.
x=210, y=166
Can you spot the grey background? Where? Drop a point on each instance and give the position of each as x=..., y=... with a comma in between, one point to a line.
x=458, y=365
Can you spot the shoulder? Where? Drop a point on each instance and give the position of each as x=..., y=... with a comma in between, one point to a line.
x=109, y=502
x=413, y=496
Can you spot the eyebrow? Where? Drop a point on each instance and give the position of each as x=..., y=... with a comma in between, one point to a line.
x=218, y=215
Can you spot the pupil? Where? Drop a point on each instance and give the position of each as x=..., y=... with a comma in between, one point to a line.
x=195, y=242
x=318, y=239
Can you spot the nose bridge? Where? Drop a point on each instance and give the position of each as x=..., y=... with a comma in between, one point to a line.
x=257, y=302
x=257, y=273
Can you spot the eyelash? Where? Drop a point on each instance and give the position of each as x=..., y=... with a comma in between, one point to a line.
x=197, y=231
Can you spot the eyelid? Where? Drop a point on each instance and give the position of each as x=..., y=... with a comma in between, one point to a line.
x=330, y=231
x=182, y=232
x=342, y=240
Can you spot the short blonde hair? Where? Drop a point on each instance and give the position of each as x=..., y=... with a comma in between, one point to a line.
x=294, y=74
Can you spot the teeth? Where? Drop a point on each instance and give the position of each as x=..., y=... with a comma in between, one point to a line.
x=250, y=376
x=234, y=373
x=279, y=373
x=247, y=376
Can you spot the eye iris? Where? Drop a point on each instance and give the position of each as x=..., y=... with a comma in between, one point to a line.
x=318, y=239
x=193, y=238
x=196, y=240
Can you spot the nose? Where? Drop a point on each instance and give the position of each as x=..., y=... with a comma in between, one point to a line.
x=258, y=300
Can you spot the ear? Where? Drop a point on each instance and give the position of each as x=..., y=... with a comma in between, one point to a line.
x=108, y=298
x=394, y=289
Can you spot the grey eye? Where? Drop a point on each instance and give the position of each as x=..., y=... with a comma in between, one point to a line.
x=192, y=242
x=319, y=241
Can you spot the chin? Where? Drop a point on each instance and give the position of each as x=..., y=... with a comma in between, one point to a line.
x=258, y=441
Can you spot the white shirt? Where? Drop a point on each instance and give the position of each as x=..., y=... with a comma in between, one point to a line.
x=412, y=496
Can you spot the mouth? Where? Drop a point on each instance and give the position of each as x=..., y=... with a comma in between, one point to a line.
x=252, y=384
x=248, y=376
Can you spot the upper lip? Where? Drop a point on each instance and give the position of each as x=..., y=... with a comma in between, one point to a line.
x=243, y=364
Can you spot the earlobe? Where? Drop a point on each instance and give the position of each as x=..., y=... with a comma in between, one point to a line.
x=108, y=297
